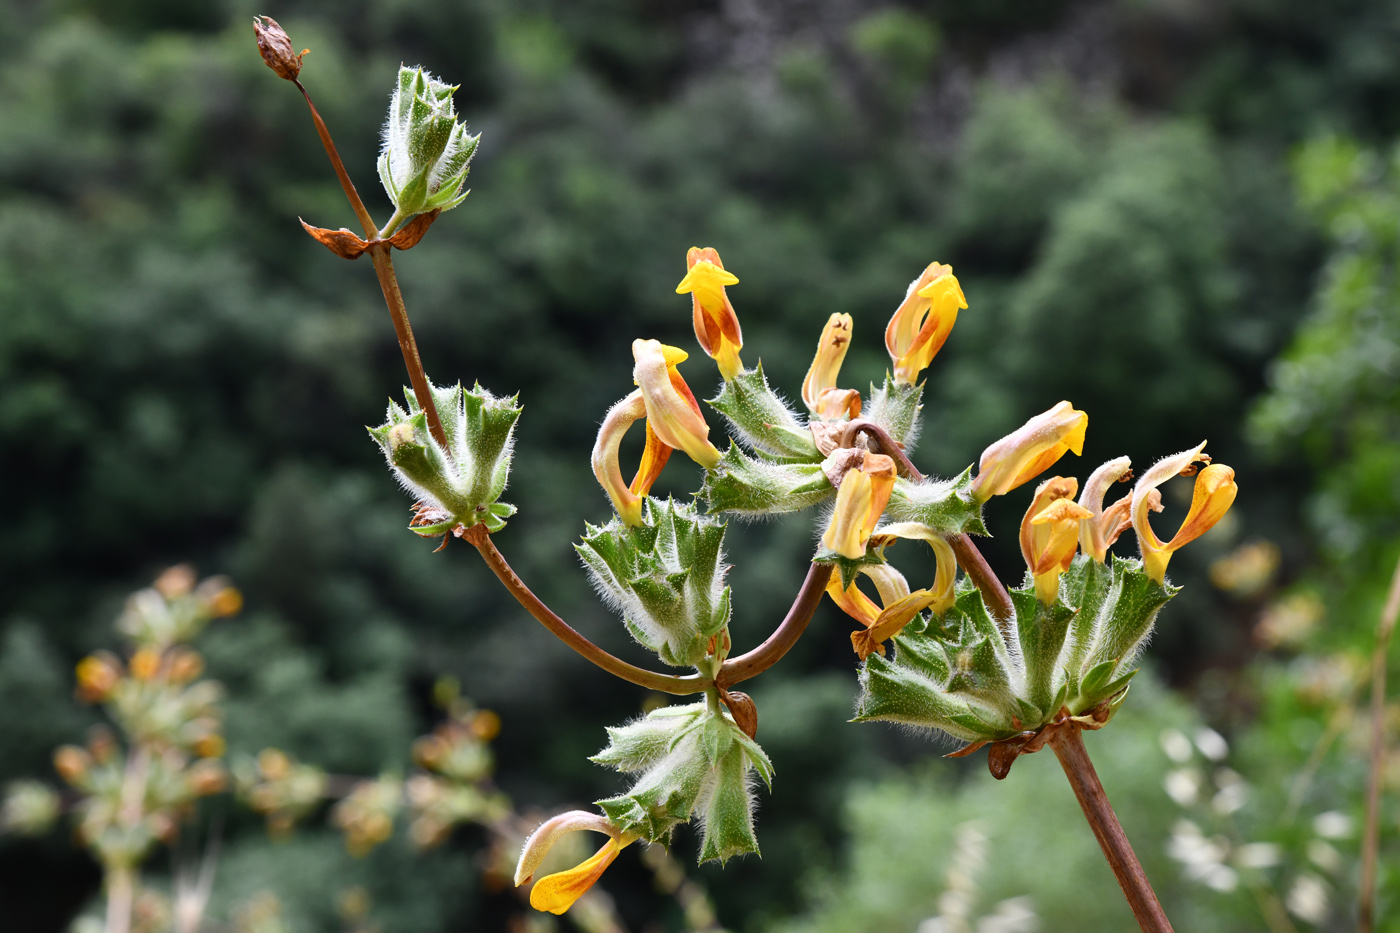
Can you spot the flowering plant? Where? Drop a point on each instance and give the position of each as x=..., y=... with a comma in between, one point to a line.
x=1011, y=670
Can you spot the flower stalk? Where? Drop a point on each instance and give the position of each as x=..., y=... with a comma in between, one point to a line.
x=1370, y=841
x=1068, y=745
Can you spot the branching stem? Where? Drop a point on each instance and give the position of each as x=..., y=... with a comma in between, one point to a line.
x=665, y=683
x=1371, y=838
x=388, y=282
x=781, y=641
x=1074, y=758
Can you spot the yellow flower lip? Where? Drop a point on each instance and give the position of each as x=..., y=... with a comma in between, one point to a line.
x=899, y=605
x=921, y=324
x=1030, y=450
x=716, y=324
x=556, y=893
x=1050, y=533
x=671, y=410
x=1213, y=494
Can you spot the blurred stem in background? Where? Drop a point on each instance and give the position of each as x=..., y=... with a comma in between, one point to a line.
x=1371, y=829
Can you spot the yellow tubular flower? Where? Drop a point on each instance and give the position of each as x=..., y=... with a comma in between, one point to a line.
x=1211, y=498
x=945, y=576
x=716, y=324
x=672, y=412
x=605, y=457
x=556, y=893
x=1050, y=534
x=819, y=391
x=864, y=493
x=923, y=321
x=1030, y=450
x=880, y=625
x=1103, y=526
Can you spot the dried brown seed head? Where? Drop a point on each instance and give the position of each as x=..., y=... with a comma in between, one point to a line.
x=276, y=48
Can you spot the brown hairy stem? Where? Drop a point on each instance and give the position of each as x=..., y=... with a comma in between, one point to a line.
x=1074, y=758
x=422, y=391
x=732, y=672
x=371, y=231
x=781, y=641
x=664, y=683
x=993, y=593
x=1371, y=833
x=388, y=282
x=887, y=445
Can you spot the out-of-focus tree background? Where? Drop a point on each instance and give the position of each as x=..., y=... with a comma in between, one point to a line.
x=1179, y=214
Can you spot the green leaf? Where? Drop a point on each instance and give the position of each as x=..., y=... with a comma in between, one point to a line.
x=946, y=506
x=749, y=487
x=690, y=763
x=1084, y=587
x=667, y=577
x=726, y=818
x=1128, y=613
x=458, y=484
x=892, y=692
x=1041, y=629
x=762, y=420
x=896, y=407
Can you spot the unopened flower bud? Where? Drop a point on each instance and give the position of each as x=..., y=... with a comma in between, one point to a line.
x=211, y=745
x=672, y=411
x=185, y=665
x=486, y=725
x=1211, y=498
x=627, y=500
x=276, y=48
x=145, y=663
x=1030, y=450
x=716, y=324
x=426, y=152
x=98, y=674
x=176, y=581
x=72, y=764
x=922, y=323
x=864, y=492
x=207, y=777
x=400, y=434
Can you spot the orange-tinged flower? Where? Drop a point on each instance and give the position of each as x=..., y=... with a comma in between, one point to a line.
x=864, y=493
x=1050, y=534
x=716, y=324
x=819, y=392
x=671, y=409
x=900, y=606
x=1211, y=498
x=556, y=893
x=1101, y=529
x=626, y=499
x=923, y=321
x=945, y=576
x=145, y=663
x=98, y=675
x=1030, y=450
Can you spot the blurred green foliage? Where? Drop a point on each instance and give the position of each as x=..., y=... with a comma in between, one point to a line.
x=185, y=375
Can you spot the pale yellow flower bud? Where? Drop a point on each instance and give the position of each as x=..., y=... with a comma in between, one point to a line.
x=1030, y=450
